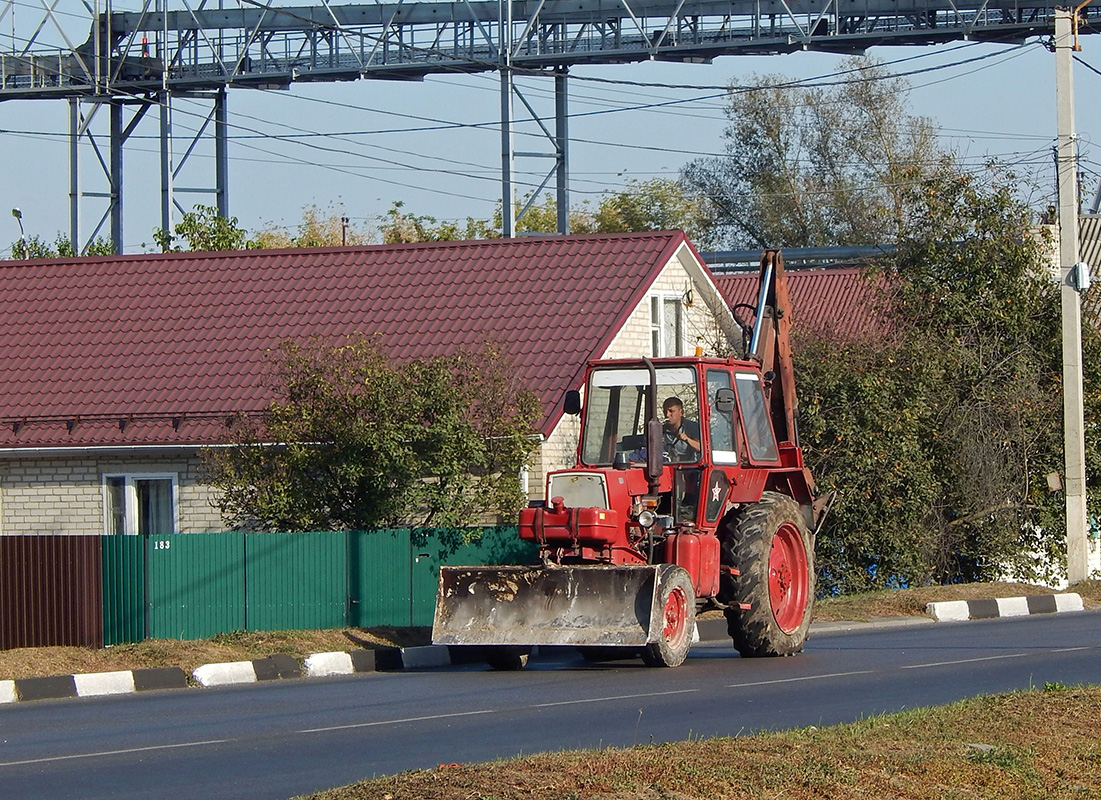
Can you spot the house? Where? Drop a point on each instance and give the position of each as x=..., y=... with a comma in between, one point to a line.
x=835, y=302
x=119, y=370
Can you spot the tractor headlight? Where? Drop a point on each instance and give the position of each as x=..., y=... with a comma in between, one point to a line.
x=646, y=518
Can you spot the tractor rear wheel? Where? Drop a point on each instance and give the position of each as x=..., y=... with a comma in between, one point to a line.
x=677, y=601
x=772, y=598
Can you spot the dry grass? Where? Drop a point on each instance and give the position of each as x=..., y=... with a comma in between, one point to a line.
x=35, y=662
x=1036, y=744
x=912, y=602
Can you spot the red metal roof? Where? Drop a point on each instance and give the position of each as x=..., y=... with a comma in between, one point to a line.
x=160, y=349
x=825, y=302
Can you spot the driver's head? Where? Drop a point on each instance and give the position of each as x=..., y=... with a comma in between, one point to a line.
x=674, y=411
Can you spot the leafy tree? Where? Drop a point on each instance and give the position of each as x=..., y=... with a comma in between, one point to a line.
x=864, y=433
x=400, y=227
x=542, y=217
x=658, y=204
x=36, y=247
x=317, y=229
x=654, y=205
x=816, y=166
x=204, y=230
x=355, y=440
x=938, y=437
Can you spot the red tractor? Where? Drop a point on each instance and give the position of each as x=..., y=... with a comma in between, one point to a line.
x=689, y=493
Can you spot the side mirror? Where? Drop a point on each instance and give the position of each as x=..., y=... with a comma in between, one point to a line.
x=724, y=400
x=572, y=404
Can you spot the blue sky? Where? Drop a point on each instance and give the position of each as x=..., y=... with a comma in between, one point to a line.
x=361, y=146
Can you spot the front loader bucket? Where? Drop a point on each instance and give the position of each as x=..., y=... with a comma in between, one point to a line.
x=590, y=605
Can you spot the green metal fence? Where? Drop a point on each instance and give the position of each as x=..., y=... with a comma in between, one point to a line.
x=196, y=585
x=295, y=581
x=380, y=573
x=123, y=589
x=192, y=586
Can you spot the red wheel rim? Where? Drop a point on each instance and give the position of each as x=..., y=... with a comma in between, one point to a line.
x=788, y=581
x=676, y=617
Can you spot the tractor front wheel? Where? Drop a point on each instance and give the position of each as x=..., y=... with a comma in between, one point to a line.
x=773, y=596
x=677, y=601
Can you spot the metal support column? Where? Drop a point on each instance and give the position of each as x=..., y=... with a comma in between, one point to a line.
x=221, y=153
x=116, y=175
x=74, y=174
x=562, y=149
x=167, y=175
x=504, y=47
x=1073, y=406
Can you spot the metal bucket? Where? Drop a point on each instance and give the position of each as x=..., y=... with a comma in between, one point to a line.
x=588, y=605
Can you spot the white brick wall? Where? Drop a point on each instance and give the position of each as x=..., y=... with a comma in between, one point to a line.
x=64, y=494
x=559, y=451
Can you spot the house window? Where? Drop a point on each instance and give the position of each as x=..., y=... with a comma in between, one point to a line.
x=666, y=325
x=140, y=504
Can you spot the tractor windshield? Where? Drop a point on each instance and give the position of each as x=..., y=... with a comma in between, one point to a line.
x=615, y=419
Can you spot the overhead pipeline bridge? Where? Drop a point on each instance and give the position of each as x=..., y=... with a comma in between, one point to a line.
x=137, y=61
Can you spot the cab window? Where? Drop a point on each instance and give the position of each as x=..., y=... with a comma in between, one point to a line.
x=723, y=447
x=758, y=426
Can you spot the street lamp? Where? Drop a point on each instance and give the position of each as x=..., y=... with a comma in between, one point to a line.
x=15, y=212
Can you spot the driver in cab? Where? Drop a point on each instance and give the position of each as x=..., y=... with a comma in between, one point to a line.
x=682, y=436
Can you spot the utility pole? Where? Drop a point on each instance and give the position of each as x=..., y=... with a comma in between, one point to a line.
x=1071, y=280
x=508, y=192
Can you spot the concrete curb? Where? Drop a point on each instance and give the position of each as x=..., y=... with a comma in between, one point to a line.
x=992, y=608
x=92, y=684
x=271, y=668
x=323, y=665
x=276, y=667
x=876, y=623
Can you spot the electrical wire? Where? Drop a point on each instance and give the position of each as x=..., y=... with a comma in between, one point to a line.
x=663, y=104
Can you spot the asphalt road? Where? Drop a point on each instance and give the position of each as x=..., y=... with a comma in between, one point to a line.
x=275, y=740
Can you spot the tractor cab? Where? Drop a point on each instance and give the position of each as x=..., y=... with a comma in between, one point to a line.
x=676, y=467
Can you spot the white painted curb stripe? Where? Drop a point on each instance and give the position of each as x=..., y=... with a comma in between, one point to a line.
x=97, y=683
x=320, y=665
x=433, y=655
x=1071, y=601
x=949, y=611
x=7, y=692
x=223, y=674
x=1012, y=606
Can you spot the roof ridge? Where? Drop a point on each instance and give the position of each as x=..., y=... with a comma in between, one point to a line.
x=384, y=247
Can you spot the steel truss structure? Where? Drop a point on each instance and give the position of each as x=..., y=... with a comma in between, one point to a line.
x=201, y=48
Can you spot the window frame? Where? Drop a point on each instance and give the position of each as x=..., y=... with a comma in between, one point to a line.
x=722, y=458
x=658, y=325
x=130, y=501
x=748, y=418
